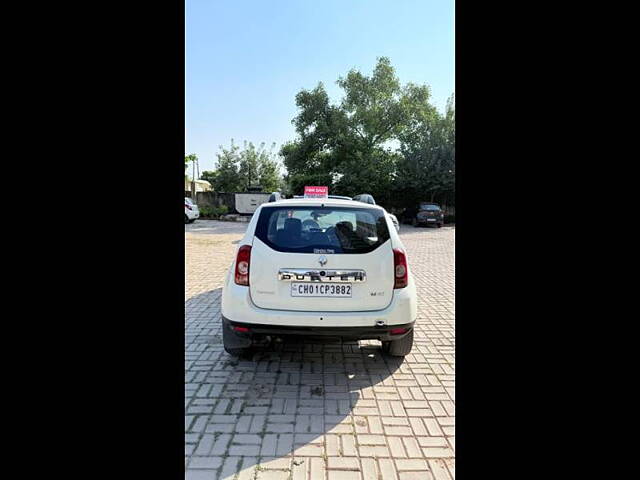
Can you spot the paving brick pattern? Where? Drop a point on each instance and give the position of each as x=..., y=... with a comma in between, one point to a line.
x=324, y=411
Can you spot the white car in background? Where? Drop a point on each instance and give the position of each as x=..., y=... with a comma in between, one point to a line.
x=191, y=211
x=311, y=267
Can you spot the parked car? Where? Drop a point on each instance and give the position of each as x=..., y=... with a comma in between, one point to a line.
x=191, y=211
x=425, y=214
x=429, y=214
x=319, y=267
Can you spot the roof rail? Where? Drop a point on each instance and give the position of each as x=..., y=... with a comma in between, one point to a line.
x=365, y=198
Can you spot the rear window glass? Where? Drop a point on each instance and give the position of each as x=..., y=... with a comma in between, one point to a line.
x=429, y=207
x=322, y=230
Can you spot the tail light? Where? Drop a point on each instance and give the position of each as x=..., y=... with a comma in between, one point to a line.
x=186, y=205
x=242, y=265
x=401, y=274
x=397, y=331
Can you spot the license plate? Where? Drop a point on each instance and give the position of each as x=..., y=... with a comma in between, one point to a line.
x=431, y=219
x=339, y=290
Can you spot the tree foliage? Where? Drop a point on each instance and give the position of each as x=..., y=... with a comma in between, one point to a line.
x=427, y=167
x=382, y=138
x=238, y=169
x=210, y=176
x=188, y=159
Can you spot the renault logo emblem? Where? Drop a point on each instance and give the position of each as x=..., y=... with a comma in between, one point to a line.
x=322, y=260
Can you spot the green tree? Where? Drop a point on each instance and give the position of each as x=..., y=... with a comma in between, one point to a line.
x=350, y=146
x=187, y=159
x=238, y=169
x=227, y=170
x=250, y=165
x=426, y=170
x=210, y=176
x=269, y=170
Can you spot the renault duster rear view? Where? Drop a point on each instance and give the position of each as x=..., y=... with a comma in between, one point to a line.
x=319, y=267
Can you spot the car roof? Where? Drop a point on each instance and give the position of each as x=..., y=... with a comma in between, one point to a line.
x=329, y=202
x=341, y=197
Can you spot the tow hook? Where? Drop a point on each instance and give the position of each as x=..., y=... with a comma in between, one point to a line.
x=380, y=323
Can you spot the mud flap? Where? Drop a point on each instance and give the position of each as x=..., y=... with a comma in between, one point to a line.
x=233, y=339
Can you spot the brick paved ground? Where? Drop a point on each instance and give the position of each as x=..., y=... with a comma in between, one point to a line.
x=319, y=411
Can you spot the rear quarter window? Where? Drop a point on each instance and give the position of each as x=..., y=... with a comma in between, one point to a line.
x=322, y=229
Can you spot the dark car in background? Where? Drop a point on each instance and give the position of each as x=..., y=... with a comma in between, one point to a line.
x=429, y=214
x=425, y=214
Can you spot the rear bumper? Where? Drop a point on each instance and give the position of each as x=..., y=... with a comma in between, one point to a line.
x=258, y=332
x=237, y=306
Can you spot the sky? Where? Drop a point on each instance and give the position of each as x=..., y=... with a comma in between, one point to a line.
x=245, y=60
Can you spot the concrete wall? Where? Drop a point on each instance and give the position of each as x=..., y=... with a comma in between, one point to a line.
x=247, y=203
x=242, y=202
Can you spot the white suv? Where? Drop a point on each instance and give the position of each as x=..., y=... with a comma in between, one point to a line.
x=319, y=267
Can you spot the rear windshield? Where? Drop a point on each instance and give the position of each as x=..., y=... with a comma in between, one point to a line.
x=322, y=230
x=429, y=207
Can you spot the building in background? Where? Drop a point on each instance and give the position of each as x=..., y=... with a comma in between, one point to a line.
x=201, y=186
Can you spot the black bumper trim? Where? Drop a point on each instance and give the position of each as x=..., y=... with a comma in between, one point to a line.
x=345, y=333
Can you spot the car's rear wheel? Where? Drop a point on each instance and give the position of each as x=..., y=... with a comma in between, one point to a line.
x=400, y=347
x=414, y=222
x=186, y=219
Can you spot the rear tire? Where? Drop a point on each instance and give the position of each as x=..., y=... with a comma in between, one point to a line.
x=400, y=347
x=186, y=219
x=414, y=222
